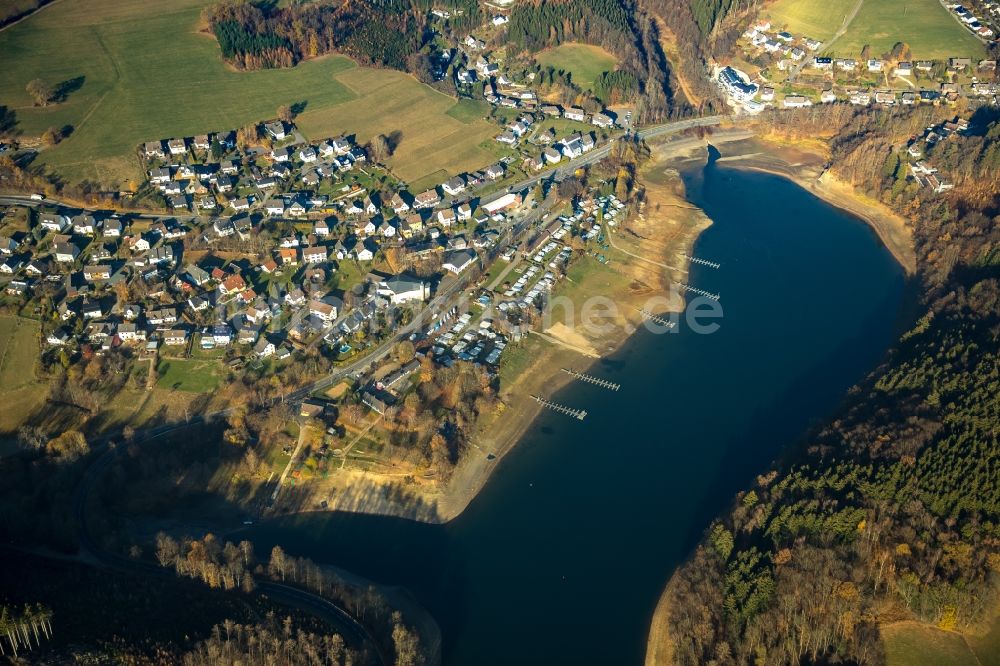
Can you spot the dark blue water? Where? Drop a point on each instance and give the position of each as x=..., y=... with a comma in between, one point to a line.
x=562, y=557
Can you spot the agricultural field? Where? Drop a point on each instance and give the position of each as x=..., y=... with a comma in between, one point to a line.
x=923, y=24
x=131, y=72
x=428, y=138
x=22, y=393
x=583, y=61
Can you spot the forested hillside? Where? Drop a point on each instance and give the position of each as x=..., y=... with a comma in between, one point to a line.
x=893, y=510
x=701, y=28
x=254, y=36
x=619, y=26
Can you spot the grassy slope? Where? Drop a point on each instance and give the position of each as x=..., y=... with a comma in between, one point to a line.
x=923, y=24
x=584, y=61
x=914, y=644
x=148, y=73
x=21, y=394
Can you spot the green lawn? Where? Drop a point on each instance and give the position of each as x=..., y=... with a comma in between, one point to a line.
x=518, y=357
x=192, y=376
x=469, y=110
x=138, y=71
x=583, y=61
x=923, y=24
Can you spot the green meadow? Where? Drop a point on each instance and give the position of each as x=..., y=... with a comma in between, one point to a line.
x=584, y=61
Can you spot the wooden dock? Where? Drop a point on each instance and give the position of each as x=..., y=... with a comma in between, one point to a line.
x=562, y=409
x=656, y=319
x=699, y=260
x=597, y=381
x=700, y=292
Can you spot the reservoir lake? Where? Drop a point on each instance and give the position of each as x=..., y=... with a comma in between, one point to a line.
x=562, y=557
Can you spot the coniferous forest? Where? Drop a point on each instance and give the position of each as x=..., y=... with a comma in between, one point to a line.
x=893, y=509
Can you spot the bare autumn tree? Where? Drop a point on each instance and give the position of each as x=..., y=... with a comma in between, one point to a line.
x=285, y=113
x=270, y=642
x=379, y=149
x=40, y=91
x=406, y=642
x=248, y=135
x=20, y=628
x=50, y=137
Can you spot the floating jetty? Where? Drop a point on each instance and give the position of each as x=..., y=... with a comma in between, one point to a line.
x=695, y=290
x=597, y=381
x=699, y=260
x=658, y=320
x=562, y=409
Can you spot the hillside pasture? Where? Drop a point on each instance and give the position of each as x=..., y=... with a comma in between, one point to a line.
x=923, y=24
x=583, y=61
x=818, y=19
x=133, y=72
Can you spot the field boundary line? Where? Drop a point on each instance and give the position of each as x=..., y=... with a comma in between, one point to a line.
x=6, y=347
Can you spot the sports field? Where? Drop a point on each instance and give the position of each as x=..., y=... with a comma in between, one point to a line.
x=136, y=71
x=583, y=61
x=923, y=24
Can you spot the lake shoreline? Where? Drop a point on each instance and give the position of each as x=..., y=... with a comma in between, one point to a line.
x=501, y=435
x=892, y=229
